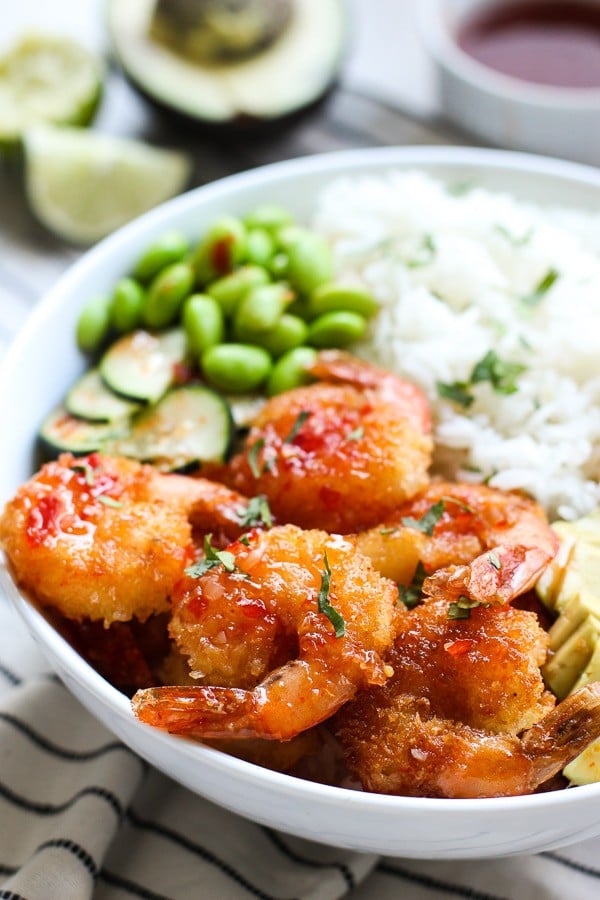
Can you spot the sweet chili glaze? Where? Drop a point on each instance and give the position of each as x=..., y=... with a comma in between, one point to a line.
x=551, y=42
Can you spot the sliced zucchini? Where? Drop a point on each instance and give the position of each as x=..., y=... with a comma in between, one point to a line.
x=62, y=432
x=91, y=399
x=143, y=366
x=191, y=424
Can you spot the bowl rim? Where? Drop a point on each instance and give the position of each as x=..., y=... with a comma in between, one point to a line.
x=341, y=163
x=441, y=43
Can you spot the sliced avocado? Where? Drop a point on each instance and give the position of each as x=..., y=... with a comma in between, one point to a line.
x=292, y=70
x=571, y=587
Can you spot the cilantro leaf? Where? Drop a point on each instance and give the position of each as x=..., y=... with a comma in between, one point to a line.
x=325, y=606
x=456, y=391
x=426, y=523
x=87, y=471
x=463, y=606
x=412, y=594
x=513, y=239
x=253, y=456
x=495, y=561
x=536, y=296
x=425, y=254
x=212, y=558
x=257, y=512
x=109, y=501
x=356, y=435
x=301, y=418
x=501, y=375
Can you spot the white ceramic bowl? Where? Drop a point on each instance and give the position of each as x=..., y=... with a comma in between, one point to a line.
x=42, y=364
x=503, y=110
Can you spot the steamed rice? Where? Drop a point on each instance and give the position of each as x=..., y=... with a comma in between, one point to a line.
x=452, y=272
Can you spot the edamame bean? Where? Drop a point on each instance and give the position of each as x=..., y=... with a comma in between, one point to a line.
x=236, y=367
x=166, y=294
x=203, y=323
x=260, y=310
x=168, y=249
x=278, y=265
x=290, y=234
x=230, y=289
x=260, y=247
x=269, y=216
x=340, y=298
x=93, y=324
x=309, y=263
x=127, y=307
x=289, y=332
x=290, y=370
x=221, y=250
x=336, y=329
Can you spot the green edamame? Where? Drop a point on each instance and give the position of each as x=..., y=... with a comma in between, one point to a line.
x=203, y=323
x=236, y=367
x=291, y=370
x=127, y=307
x=230, y=289
x=168, y=249
x=309, y=263
x=336, y=329
x=278, y=265
x=260, y=310
x=260, y=246
x=290, y=234
x=290, y=332
x=93, y=324
x=342, y=298
x=221, y=250
x=166, y=294
x=269, y=216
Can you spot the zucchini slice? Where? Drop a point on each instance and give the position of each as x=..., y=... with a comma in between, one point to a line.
x=190, y=425
x=62, y=432
x=91, y=399
x=143, y=366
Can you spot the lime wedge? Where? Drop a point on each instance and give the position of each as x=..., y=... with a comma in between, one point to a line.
x=83, y=185
x=47, y=79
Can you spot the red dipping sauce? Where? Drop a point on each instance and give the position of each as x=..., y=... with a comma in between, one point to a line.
x=552, y=42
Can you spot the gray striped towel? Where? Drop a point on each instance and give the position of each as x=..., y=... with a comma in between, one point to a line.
x=82, y=817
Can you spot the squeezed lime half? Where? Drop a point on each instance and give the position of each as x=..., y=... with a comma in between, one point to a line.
x=47, y=79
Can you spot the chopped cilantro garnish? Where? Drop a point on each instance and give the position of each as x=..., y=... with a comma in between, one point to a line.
x=253, y=456
x=385, y=531
x=426, y=523
x=458, y=502
x=110, y=501
x=540, y=290
x=256, y=513
x=412, y=594
x=87, y=470
x=301, y=418
x=513, y=239
x=268, y=465
x=356, y=435
x=457, y=391
x=212, y=558
x=493, y=558
x=425, y=254
x=463, y=606
x=245, y=540
x=501, y=375
x=325, y=606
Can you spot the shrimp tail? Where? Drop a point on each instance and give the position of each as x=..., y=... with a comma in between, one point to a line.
x=563, y=733
x=495, y=577
x=208, y=712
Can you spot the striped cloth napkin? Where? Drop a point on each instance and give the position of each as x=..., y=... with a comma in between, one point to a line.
x=82, y=817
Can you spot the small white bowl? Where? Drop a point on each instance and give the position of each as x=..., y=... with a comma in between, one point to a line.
x=501, y=109
x=44, y=361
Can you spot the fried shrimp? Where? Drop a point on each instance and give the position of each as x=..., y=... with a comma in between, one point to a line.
x=472, y=540
x=340, y=454
x=105, y=538
x=446, y=723
x=283, y=631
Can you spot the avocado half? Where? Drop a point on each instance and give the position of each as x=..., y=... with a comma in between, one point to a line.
x=293, y=72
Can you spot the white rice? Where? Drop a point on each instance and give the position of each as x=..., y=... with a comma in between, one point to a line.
x=478, y=255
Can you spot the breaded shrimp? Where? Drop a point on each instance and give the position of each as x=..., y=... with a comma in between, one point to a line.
x=106, y=538
x=472, y=540
x=298, y=618
x=340, y=455
x=446, y=723
x=407, y=750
